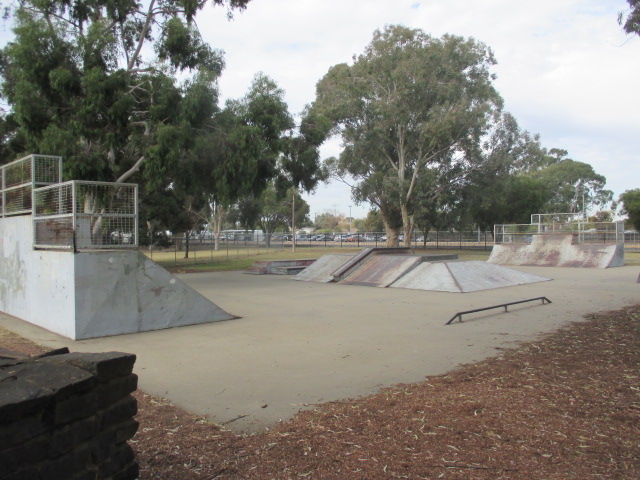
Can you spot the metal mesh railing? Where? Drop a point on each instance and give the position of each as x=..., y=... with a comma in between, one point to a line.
x=86, y=215
x=19, y=178
x=599, y=233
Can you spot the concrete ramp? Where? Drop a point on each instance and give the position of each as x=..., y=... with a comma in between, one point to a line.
x=558, y=251
x=95, y=293
x=279, y=267
x=320, y=271
x=382, y=270
x=463, y=276
x=363, y=256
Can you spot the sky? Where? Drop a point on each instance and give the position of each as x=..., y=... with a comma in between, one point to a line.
x=565, y=69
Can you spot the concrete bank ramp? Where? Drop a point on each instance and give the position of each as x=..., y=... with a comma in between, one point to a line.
x=463, y=276
x=126, y=292
x=382, y=270
x=320, y=271
x=92, y=293
x=559, y=250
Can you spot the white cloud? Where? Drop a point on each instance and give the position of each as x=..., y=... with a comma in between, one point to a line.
x=565, y=68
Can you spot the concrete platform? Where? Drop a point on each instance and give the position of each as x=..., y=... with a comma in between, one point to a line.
x=558, y=250
x=299, y=344
x=463, y=276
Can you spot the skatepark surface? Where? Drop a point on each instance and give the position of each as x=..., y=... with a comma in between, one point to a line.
x=298, y=344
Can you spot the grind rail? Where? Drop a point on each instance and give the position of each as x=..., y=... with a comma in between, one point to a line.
x=502, y=305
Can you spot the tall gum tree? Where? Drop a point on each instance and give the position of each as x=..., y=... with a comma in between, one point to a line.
x=97, y=82
x=408, y=104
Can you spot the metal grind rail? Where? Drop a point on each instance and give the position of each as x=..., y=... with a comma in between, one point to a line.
x=502, y=305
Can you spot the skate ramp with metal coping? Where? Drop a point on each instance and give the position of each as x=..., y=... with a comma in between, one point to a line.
x=350, y=266
x=558, y=250
x=320, y=270
x=381, y=270
x=463, y=276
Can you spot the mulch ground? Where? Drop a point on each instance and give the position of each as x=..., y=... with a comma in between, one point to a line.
x=565, y=407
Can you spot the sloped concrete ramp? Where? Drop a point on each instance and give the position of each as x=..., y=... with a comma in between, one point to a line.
x=382, y=270
x=279, y=267
x=126, y=292
x=463, y=276
x=92, y=294
x=320, y=271
x=558, y=250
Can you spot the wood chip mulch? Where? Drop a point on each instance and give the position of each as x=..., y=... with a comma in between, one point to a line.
x=565, y=407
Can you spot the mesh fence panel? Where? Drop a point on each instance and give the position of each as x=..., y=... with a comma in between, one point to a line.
x=20, y=177
x=86, y=215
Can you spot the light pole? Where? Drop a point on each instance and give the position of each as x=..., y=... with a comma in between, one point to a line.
x=350, y=218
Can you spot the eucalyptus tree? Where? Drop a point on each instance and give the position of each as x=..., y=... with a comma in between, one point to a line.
x=98, y=83
x=299, y=165
x=410, y=103
x=630, y=20
x=271, y=210
x=243, y=153
x=630, y=201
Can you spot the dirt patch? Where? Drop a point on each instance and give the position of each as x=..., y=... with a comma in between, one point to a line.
x=567, y=407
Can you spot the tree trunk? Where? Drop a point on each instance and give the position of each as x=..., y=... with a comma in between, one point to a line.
x=392, y=234
x=407, y=224
x=186, y=244
x=150, y=229
x=218, y=214
x=293, y=221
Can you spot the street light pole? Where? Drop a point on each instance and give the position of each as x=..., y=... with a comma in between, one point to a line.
x=350, y=218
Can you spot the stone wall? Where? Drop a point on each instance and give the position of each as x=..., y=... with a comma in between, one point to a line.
x=68, y=416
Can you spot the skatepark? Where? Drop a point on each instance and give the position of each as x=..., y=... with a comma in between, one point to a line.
x=298, y=344
x=250, y=350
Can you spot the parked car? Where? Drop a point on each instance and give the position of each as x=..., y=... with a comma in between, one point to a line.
x=323, y=237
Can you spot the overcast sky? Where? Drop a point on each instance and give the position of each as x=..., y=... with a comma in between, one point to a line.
x=565, y=68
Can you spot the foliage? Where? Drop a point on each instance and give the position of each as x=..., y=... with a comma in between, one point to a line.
x=328, y=221
x=96, y=83
x=373, y=222
x=631, y=24
x=630, y=201
x=271, y=210
x=521, y=178
x=410, y=102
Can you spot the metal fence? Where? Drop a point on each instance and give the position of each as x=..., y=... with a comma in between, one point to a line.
x=599, y=233
x=476, y=240
x=86, y=215
x=21, y=177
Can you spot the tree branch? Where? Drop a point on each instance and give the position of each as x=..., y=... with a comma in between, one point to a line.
x=131, y=171
x=143, y=34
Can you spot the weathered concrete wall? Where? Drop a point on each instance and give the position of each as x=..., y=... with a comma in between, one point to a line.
x=92, y=294
x=558, y=250
x=68, y=416
x=36, y=286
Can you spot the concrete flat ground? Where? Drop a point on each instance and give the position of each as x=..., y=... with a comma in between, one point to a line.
x=299, y=344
